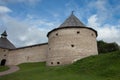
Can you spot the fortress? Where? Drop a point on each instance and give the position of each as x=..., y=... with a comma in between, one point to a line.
x=71, y=41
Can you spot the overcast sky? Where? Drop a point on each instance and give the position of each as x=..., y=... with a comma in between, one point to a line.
x=28, y=21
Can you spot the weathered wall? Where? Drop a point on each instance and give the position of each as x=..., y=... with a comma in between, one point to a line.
x=28, y=54
x=64, y=47
x=3, y=54
x=68, y=45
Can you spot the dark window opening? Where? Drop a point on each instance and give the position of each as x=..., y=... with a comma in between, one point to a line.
x=51, y=62
x=78, y=32
x=92, y=34
x=5, y=55
x=49, y=48
x=56, y=34
x=3, y=62
x=72, y=45
x=58, y=62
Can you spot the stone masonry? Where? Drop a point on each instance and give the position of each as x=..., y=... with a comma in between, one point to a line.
x=71, y=41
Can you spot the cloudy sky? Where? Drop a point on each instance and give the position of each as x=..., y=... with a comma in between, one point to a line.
x=28, y=21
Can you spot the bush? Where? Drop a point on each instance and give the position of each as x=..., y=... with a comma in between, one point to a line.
x=104, y=47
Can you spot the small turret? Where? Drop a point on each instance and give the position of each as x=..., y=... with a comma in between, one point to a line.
x=4, y=34
x=4, y=42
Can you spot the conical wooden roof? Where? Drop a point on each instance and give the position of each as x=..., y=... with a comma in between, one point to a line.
x=5, y=43
x=71, y=21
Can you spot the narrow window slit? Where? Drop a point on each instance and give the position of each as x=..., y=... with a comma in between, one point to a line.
x=78, y=32
x=56, y=34
x=51, y=62
x=58, y=62
x=72, y=45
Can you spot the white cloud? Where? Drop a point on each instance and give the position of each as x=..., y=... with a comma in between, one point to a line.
x=100, y=5
x=3, y=12
x=27, y=32
x=33, y=30
x=106, y=32
x=4, y=9
x=109, y=32
x=92, y=21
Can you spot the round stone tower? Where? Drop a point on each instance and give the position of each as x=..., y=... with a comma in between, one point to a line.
x=71, y=41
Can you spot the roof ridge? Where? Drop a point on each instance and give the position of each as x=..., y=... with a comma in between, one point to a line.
x=72, y=20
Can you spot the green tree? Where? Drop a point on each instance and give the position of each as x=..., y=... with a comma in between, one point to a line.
x=104, y=47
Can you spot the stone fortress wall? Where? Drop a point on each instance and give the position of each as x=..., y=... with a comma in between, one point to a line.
x=28, y=54
x=3, y=54
x=71, y=41
x=67, y=45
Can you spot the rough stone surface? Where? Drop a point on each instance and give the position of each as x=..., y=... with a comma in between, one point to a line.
x=30, y=54
x=68, y=45
x=3, y=54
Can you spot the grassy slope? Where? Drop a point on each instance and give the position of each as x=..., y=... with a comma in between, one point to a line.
x=102, y=67
x=3, y=68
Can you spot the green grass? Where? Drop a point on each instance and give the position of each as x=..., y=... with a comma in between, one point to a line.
x=3, y=68
x=101, y=67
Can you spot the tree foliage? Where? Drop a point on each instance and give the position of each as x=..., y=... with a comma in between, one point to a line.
x=104, y=47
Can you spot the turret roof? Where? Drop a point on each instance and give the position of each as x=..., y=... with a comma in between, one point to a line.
x=5, y=43
x=4, y=33
x=72, y=20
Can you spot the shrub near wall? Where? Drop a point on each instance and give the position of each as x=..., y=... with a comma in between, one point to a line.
x=104, y=47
